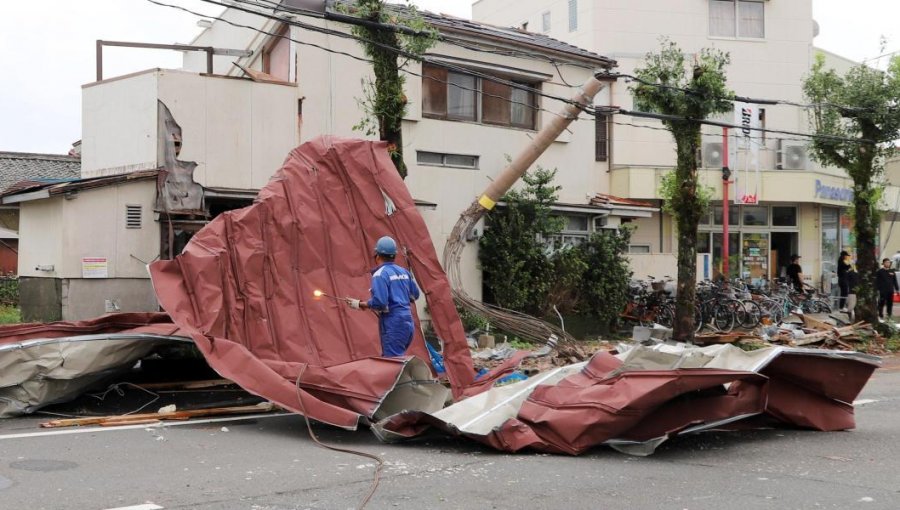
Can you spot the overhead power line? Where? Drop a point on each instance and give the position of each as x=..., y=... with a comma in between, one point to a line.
x=604, y=110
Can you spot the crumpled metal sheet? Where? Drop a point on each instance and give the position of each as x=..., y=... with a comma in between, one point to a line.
x=636, y=401
x=243, y=286
x=41, y=364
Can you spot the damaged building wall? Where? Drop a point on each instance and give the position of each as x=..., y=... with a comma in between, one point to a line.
x=237, y=131
x=115, y=226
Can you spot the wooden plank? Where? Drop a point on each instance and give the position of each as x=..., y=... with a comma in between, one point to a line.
x=177, y=415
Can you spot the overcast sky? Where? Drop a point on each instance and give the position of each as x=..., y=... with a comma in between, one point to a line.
x=49, y=52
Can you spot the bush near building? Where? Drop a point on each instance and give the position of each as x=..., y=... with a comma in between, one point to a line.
x=527, y=268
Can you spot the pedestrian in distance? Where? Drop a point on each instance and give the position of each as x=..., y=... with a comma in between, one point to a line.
x=852, y=284
x=843, y=270
x=795, y=273
x=886, y=283
x=393, y=290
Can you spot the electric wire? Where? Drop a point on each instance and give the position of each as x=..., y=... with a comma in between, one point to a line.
x=379, y=461
x=590, y=109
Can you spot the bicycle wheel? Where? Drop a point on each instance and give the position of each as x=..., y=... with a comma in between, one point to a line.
x=723, y=315
x=665, y=316
x=751, y=315
x=819, y=306
x=773, y=309
x=698, y=318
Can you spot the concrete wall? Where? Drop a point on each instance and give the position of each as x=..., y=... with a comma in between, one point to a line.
x=83, y=298
x=40, y=299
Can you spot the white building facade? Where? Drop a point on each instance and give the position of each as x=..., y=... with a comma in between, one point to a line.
x=791, y=204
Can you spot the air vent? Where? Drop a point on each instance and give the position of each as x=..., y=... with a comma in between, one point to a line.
x=792, y=155
x=133, y=216
x=713, y=155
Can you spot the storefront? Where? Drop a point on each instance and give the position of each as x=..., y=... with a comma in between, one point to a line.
x=761, y=239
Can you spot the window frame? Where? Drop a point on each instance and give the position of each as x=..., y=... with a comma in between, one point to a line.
x=437, y=104
x=546, y=21
x=736, y=35
x=444, y=156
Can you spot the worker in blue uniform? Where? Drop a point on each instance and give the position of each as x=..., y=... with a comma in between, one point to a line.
x=393, y=290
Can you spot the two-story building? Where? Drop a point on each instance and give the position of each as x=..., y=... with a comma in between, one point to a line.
x=165, y=150
x=782, y=201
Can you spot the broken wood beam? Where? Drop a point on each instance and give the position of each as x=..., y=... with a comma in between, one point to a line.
x=127, y=419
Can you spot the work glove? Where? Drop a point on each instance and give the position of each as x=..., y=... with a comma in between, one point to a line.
x=354, y=303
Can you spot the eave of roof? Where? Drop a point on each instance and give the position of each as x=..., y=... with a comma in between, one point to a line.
x=47, y=190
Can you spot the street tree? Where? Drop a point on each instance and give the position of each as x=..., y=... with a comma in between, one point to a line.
x=391, y=36
x=857, y=119
x=685, y=95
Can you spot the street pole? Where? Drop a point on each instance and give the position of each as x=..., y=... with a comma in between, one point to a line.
x=726, y=175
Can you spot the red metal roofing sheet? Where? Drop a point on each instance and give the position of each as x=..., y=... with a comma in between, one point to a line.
x=243, y=287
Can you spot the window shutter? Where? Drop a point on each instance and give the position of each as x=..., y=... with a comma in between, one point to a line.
x=495, y=103
x=133, y=216
x=434, y=91
x=601, y=136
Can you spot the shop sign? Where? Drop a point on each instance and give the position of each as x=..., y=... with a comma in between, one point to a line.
x=745, y=156
x=833, y=192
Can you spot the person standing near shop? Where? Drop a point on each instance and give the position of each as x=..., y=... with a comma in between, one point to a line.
x=886, y=283
x=843, y=272
x=795, y=273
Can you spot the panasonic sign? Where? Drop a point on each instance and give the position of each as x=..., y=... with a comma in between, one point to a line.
x=833, y=193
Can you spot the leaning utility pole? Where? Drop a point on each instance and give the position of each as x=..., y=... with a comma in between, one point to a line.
x=523, y=325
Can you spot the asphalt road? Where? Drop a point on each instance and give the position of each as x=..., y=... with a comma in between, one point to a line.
x=270, y=463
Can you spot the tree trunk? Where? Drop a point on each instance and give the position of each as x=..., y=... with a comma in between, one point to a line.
x=866, y=224
x=390, y=101
x=689, y=206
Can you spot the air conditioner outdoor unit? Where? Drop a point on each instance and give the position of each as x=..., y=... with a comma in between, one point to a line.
x=713, y=155
x=792, y=155
x=600, y=223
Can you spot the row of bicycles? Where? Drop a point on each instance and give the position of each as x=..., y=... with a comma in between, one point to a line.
x=722, y=305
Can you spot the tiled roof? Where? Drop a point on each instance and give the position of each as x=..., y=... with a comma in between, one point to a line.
x=21, y=166
x=512, y=35
x=446, y=24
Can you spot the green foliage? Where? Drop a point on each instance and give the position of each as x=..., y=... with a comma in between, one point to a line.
x=669, y=188
x=9, y=291
x=384, y=101
x=857, y=118
x=10, y=315
x=472, y=321
x=515, y=261
x=666, y=86
x=526, y=268
x=604, y=283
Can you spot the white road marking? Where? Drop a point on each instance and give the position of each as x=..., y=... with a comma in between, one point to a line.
x=863, y=402
x=145, y=506
x=161, y=424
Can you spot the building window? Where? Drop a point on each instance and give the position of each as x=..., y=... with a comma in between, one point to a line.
x=642, y=248
x=757, y=216
x=133, y=216
x=448, y=160
x=733, y=215
x=545, y=21
x=784, y=216
x=458, y=96
x=277, y=56
x=573, y=15
x=601, y=136
x=737, y=18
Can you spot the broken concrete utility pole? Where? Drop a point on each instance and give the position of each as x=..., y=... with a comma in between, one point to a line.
x=523, y=325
